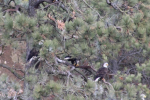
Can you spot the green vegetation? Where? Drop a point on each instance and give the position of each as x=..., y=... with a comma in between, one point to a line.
x=95, y=32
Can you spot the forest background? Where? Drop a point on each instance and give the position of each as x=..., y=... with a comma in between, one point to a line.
x=93, y=31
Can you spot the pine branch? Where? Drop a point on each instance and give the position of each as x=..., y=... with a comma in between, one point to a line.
x=38, y=2
x=85, y=78
x=88, y=68
x=12, y=71
x=92, y=8
x=55, y=71
x=72, y=67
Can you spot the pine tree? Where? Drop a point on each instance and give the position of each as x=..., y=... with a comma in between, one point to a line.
x=94, y=32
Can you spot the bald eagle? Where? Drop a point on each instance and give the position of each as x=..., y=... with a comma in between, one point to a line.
x=74, y=61
x=101, y=73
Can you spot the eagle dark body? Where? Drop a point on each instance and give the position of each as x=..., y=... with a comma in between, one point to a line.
x=101, y=73
x=73, y=61
x=32, y=53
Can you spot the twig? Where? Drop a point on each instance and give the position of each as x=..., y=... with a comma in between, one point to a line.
x=18, y=70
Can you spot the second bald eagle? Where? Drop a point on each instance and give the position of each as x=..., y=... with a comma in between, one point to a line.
x=101, y=73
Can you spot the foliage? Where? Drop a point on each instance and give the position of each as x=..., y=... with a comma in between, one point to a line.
x=9, y=89
x=92, y=31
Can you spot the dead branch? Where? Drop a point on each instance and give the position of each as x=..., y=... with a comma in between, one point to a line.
x=12, y=71
x=17, y=8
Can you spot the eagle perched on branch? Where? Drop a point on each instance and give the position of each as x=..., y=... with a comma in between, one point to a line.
x=74, y=61
x=33, y=57
x=101, y=73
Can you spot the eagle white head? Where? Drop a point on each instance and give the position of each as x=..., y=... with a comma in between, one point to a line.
x=105, y=65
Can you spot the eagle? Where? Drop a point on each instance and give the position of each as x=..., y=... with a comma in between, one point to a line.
x=32, y=55
x=74, y=61
x=101, y=73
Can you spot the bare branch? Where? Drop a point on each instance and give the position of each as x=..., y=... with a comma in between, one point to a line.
x=11, y=70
